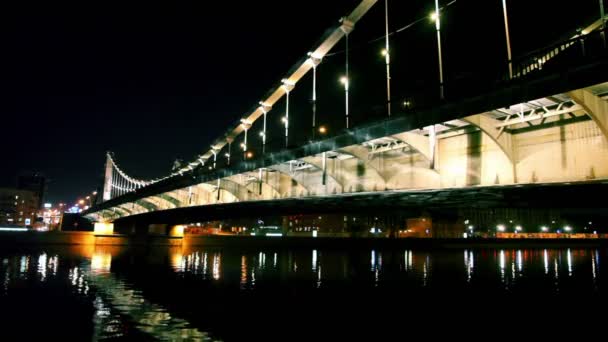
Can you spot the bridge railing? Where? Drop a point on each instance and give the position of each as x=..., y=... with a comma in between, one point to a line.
x=562, y=54
x=425, y=94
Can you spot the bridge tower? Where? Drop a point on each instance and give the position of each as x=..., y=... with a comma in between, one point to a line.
x=107, y=179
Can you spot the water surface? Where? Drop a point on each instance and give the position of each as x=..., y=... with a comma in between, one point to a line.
x=207, y=294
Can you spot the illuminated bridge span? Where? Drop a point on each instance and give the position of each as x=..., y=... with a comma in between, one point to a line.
x=546, y=121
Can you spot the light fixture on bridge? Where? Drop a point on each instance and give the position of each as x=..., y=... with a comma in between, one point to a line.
x=344, y=80
x=322, y=130
x=227, y=155
x=262, y=134
x=384, y=52
x=284, y=119
x=265, y=106
x=434, y=16
x=287, y=84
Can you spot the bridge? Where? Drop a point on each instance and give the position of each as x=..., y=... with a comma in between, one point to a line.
x=540, y=128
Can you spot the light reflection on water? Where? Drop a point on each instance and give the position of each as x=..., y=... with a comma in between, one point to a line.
x=103, y=277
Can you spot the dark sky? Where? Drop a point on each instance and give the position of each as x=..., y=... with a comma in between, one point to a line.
x=155, y=82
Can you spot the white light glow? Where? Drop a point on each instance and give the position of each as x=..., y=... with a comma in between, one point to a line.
x=10, y=229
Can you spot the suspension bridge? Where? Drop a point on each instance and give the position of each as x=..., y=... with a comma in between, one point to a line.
x=542, y=124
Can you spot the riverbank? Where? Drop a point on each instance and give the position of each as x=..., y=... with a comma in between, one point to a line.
x=89, y=238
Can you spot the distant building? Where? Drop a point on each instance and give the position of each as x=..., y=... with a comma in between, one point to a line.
x=34, y=182
x=18, y=207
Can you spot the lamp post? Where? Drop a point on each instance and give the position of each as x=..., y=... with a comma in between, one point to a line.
x=346, y=27
x=246, y=124
x=265, y=109
x=436, y=16
x=344, y=80
x=288, y=87
x=387, y=60
x=314, y=61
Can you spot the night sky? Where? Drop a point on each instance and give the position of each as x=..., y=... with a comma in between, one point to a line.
x=155, y=82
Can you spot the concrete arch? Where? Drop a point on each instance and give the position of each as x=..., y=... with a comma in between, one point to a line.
x=311, y=181
x=362, y=154
x=121, y=212
x=239, y=191
x=124, y=210
x=266, y=188
x=135, y=208
x=180, y=196
x=171, y=199
x=417, y=142
x=234, y=189
x=160, y=202
x=346, y=175
x=147, y=204
x=504, y=140
x=487, y=125
x=595, y=107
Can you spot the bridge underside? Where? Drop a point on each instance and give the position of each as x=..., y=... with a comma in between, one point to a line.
x=555, y=139
x=574, y=198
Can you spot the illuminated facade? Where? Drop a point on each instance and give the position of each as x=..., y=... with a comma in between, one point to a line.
x=18, y=207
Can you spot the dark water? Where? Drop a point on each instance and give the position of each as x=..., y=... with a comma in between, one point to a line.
x=95, y=293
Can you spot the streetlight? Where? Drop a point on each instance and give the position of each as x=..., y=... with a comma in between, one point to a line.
x=500, y=228
x=387, y=60
x=435, y=16
x=265, y=109
x=322, y=130
x=246, y=124
x=288, y=87
x=544, y=229
x=314, y=61
x=344, y=80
